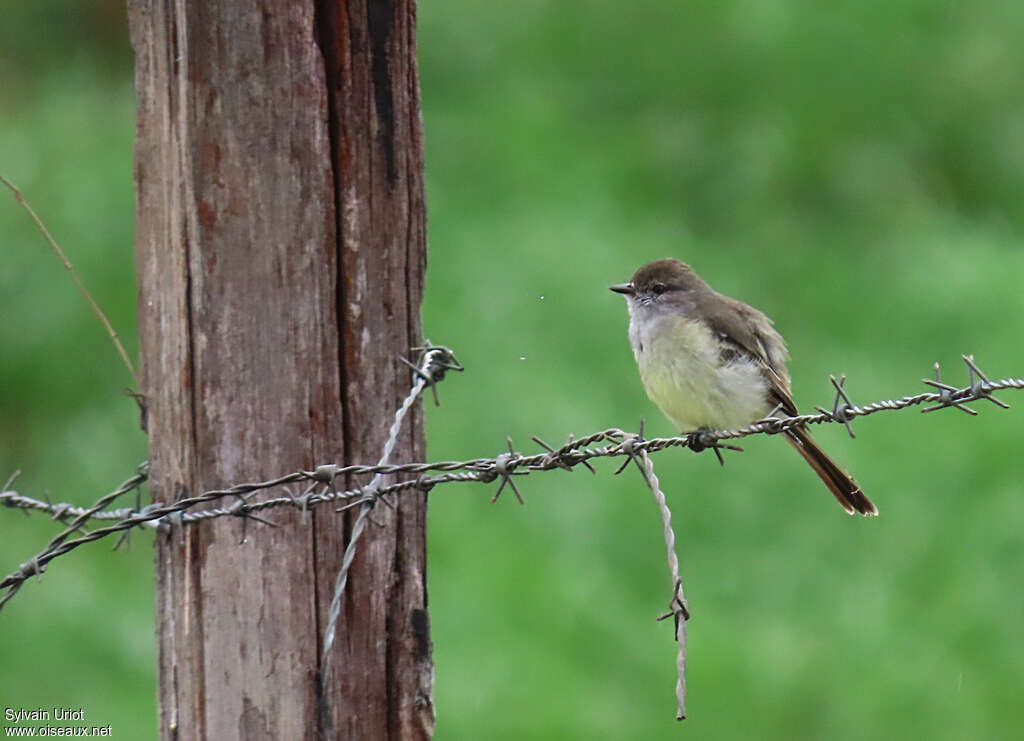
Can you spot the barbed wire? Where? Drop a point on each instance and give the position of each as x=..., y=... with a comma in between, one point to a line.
x=320, y=481
x=318, y=485
x=577, y=451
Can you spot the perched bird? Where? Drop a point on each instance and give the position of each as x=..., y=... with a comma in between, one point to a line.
x=711, y=362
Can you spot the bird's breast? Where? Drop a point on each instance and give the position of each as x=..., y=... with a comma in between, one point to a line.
x=683, y=372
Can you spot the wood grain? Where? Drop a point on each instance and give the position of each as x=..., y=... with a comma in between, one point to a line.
x=280, y=253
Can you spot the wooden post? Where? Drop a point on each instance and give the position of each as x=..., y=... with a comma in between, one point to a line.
x=280, y=255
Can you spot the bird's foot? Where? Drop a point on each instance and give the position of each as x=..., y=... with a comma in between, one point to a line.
x=702, y=440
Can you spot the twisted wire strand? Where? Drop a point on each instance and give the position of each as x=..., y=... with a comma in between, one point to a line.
x=678, y=609
x=371, y=494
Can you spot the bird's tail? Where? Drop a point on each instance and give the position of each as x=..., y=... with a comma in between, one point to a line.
x=843, y=487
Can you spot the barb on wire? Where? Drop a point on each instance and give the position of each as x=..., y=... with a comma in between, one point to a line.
x=841, y=405
x=505, y=467
x=978, y=383
x=630, y=449
x=555, y=456
x=435, y=361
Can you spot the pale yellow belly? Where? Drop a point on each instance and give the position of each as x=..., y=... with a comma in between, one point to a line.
x=682, y=373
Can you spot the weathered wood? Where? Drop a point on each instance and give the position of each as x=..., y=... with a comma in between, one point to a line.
x=280, y=255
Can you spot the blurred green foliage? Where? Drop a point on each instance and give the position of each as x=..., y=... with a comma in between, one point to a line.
x=852, y=169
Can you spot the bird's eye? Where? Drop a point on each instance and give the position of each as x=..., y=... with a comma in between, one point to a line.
x=658, y=288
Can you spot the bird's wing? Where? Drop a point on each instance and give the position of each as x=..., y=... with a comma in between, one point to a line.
x=744, y=329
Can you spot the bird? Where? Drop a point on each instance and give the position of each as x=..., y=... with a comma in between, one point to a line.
x=711, y=362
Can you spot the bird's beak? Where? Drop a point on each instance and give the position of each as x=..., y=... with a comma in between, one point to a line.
x=626, y=288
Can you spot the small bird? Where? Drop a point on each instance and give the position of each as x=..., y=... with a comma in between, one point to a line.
x=711, y=362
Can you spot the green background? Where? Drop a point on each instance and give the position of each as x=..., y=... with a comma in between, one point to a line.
x=853, y=169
